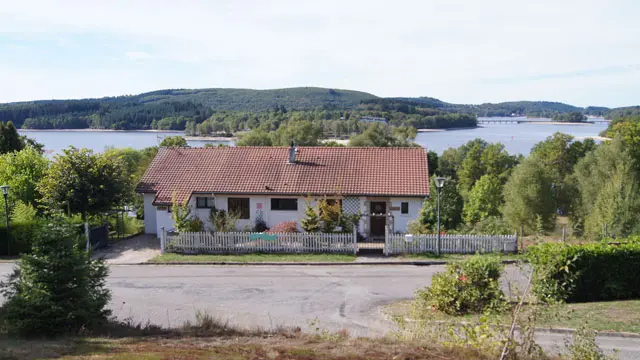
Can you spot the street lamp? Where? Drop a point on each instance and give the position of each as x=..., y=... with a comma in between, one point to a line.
x=439, y=184
x=5, y=193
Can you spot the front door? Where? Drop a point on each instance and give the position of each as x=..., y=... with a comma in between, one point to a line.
x=378, y=213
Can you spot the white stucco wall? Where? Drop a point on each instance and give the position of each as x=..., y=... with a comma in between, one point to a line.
x=163, y=220
x=401, y=220
x=260, y=204
x=149, y=214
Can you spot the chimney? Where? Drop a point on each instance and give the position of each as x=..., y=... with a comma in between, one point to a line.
x=292, y=154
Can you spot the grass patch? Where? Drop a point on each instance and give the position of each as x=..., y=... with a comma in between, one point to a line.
x=245, y=258
x=617, y=316
x=458, y=257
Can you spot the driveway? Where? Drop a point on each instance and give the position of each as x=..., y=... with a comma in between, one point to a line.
x=136, y=250
x=340, y=297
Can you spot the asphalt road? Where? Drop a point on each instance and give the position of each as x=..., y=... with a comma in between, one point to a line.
x=340, y=297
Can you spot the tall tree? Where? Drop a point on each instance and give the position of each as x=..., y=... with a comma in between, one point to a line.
x=85, y=182
x=558, y=155
x=256, y=137
x=607, y=183
x=485, y=199
x=451, y=206
x=22, y=170
x=528, y=196
x=10, y=140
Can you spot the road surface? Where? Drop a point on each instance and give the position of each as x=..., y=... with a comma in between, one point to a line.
x=340, y=297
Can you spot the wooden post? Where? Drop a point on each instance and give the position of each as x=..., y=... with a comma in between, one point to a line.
x=564, y=234
x=162, y=240
x=355, y=241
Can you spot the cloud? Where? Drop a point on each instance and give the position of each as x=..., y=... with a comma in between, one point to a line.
x=138, y=55
x=458, y=50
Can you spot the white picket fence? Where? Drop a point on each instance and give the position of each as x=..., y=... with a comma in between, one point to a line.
x=450, y=244
x=244, y=242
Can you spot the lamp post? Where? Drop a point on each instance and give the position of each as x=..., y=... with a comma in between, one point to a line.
x=5, y=193
x=439, y=184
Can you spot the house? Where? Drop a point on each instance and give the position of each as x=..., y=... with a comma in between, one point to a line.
x=385, y=185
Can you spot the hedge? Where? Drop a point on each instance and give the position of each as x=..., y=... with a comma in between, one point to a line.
x=582, y=273
x=22, y=235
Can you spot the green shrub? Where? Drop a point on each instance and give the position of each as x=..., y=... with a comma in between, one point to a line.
x=582, y=273
x=469, y=286
x=56, y=290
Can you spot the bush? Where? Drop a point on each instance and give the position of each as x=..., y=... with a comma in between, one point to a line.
x=285, y=227
x=466, y=287
x=260, y=225
x=582, y=273
x=57, y=290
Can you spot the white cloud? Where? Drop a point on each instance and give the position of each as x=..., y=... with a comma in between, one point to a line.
x=444, y=48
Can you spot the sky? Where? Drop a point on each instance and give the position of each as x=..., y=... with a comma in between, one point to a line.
x=581, y=52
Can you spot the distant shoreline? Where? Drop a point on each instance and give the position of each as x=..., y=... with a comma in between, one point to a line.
x=101, y=130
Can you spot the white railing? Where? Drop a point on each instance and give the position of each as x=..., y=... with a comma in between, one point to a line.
x=244, y=242
x=450, y=244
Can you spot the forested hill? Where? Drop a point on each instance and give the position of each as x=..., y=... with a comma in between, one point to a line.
x=545, y=109
x=173, y=109
x=139, y=111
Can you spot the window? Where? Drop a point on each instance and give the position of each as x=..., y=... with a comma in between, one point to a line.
x=404, y=208
x=239, y=206
x=204, y=202
x=284, y=204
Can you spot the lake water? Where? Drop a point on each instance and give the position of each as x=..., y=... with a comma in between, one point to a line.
x=517, y=138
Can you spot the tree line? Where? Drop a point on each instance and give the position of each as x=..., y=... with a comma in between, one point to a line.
x=490, y=191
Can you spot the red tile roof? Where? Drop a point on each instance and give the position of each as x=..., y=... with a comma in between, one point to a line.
x=348, y=171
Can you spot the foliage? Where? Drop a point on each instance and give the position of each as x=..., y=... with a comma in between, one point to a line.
x=330, y=215
x=24, y=227
x=380, y=135
x=223, y=221
x=495, y=225
x=58, y=289
x=302, y=133
x=181, y=215
x=628, y=132
x=22, y=170
x=466, y=287
x=558, y=155
x=285, y=227
x=581, y=273
x=451, y=205
x=527, y=195
x=256, y=137
x=174, y=141
x=85, y=182
x=311, y=222
x=432, y=162
x=9, y=138
x=607, y=191
x=260, y=225
x=485, y=199
x=574, y=116
x=584, y=346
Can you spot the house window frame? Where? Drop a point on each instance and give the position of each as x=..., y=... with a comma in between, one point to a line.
x=271, y=203
x=208, y=204
x=404, y=205
x=245, y=213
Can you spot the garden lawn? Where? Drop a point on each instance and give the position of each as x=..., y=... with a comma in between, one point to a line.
x=168, y=258
x=616, y=316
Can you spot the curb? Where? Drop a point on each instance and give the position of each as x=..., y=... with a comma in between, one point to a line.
x=376, y=263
